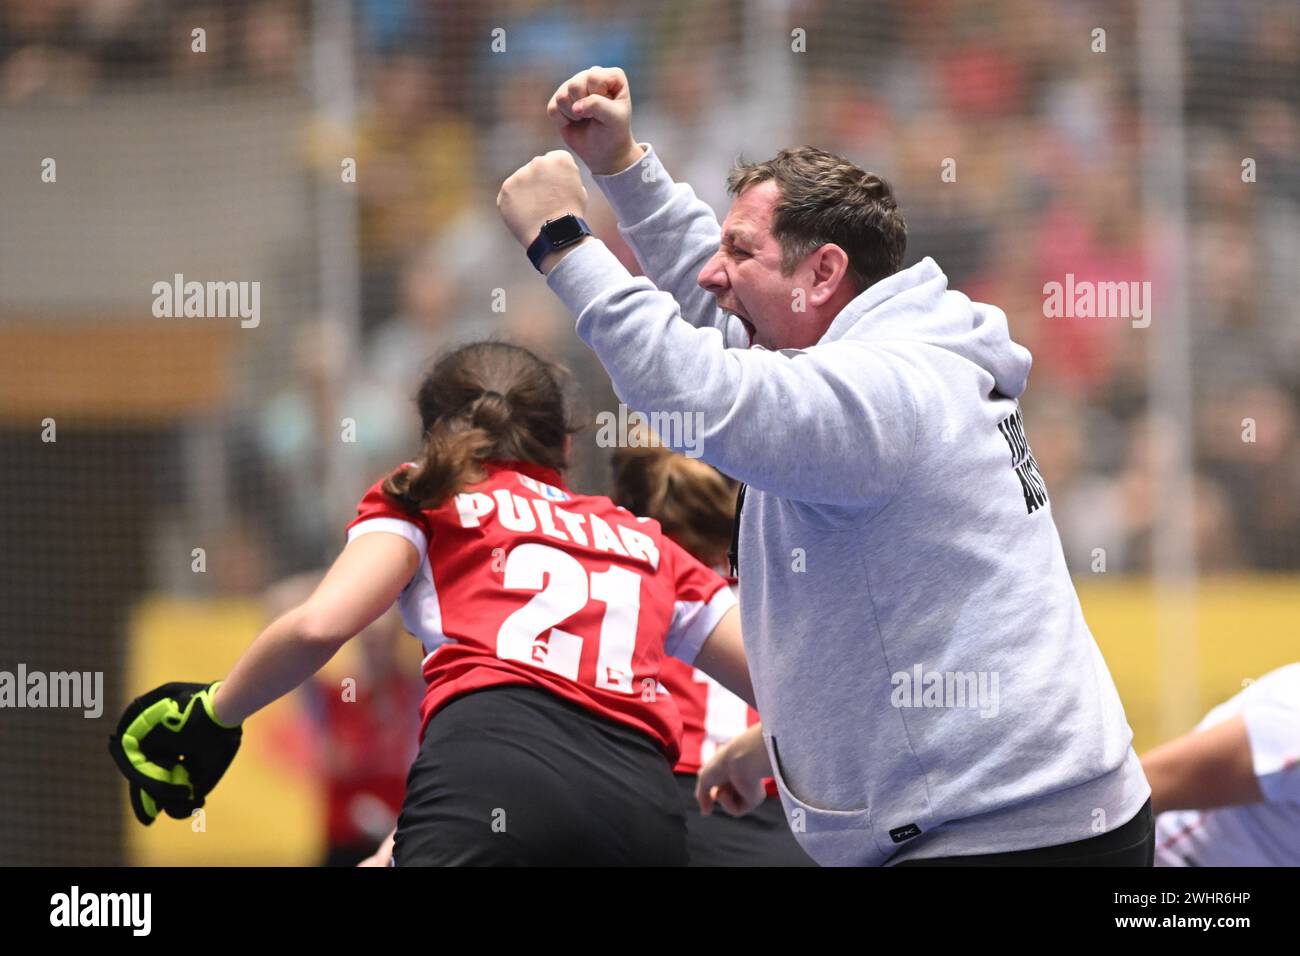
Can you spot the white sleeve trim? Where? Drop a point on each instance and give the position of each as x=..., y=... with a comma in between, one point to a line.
x=405, y=529
x=1274, y=731
x=694, y=621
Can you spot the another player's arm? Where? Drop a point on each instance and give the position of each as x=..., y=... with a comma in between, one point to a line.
x=384, y=855
x=364, y=581
x=1203, y=769
x=722, y=657
x=734, y=776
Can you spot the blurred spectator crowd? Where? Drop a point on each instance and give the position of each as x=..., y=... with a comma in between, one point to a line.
x=1048, y=141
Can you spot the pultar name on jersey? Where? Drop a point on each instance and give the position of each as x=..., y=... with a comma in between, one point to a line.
x=588, y=530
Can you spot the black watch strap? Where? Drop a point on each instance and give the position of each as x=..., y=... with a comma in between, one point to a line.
x=556, y=234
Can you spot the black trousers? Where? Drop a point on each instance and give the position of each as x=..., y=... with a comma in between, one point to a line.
x=761, y=837
x=1133, y=844
x=515, y=776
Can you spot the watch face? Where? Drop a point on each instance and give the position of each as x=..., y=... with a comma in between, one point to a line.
x=563, y=230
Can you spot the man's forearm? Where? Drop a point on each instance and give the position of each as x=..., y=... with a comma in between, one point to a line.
x=673, y=233
x=552, y=259
x=756, y=415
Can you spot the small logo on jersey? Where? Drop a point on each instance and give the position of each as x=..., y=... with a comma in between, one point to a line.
x=1022, y=461
x=543, y=489
x=899, y=834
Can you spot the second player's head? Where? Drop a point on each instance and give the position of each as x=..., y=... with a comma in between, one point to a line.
x=479, y=402
x=693, y=502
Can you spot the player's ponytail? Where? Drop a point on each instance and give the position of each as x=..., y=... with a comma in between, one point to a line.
x=487, y=400
x=693, y=502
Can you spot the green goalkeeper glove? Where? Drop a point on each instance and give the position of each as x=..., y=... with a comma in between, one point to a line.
x=172, y=750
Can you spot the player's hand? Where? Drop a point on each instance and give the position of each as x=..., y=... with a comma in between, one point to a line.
x=383, y=856
x=735, y=775
x=172, y=750
x=593, y=111
x=546, y=187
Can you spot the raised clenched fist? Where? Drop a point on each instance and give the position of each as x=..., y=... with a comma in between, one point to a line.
x=546, y=187
x=593, y=111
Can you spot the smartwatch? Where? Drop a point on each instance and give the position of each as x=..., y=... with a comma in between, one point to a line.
x=556, y=234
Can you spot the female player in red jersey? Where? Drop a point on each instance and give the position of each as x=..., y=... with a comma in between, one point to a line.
x=695, y=506
x=546, y=616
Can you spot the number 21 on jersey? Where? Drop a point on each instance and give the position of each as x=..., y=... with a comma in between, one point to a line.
x=564, y=587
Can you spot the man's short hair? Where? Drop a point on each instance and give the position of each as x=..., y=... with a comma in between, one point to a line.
x=825, y=198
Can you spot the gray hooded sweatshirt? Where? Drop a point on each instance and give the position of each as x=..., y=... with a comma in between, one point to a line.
x=926, y=680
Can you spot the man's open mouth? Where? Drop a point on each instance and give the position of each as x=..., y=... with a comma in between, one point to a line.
x=749, y=328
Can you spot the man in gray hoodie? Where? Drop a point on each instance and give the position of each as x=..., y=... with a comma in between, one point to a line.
x=930, y=691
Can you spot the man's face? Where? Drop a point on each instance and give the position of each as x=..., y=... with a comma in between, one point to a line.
x=744, y=275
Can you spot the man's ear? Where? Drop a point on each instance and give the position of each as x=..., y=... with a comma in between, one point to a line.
x=830, y=270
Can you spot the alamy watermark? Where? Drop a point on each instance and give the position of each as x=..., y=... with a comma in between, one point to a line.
x=683, y=431
x=948, y=689
x=208, y=300
x=82, y=690
x=1085, y=299
x=75, y=908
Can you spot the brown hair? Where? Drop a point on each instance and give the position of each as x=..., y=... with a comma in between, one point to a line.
x=486, y=400
x=693, y=502
x=825, y=198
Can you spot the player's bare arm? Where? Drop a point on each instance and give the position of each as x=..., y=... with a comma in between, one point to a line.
x=722, y=657
x=362, y=584
x=1203, y=769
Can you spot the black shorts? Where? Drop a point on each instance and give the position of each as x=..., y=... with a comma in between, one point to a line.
x=759, y=838
x=515, y=776
x=1133, y=844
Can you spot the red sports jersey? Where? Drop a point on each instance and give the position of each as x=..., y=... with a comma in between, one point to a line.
x=523, y=582
x=711, y=715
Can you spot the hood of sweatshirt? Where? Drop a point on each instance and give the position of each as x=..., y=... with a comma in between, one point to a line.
x=916, y=305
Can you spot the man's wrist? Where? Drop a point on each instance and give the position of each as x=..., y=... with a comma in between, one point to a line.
x=552, y=258
x=625, y=161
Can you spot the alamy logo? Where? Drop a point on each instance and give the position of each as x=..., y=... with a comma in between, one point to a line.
x=946, y=689
x=102, y=909
x=631, y=429
x=76, y=689
x=208, y=300
x=1085, y=299
x=1022, y=460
